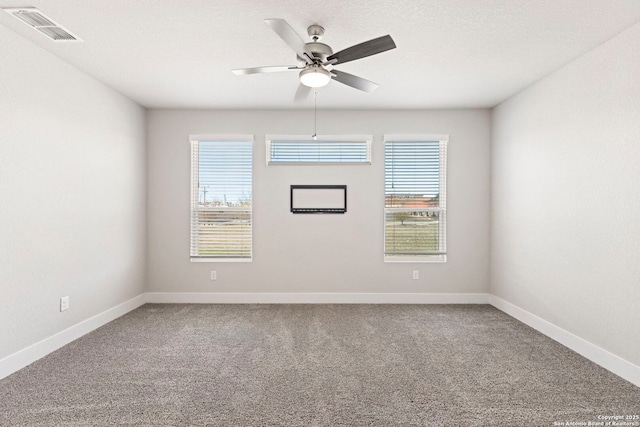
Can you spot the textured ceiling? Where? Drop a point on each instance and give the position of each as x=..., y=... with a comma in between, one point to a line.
x=450, y=53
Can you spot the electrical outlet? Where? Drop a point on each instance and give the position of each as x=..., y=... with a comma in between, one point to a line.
x=64, y=303
x=416, y=274
x=214, y=275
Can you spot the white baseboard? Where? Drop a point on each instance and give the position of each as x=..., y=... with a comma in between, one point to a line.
x=18, y=360
x=22, y=358
x=314, y=298
x=600, y=356
x=607, y=360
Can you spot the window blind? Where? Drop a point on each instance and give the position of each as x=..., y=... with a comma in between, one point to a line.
x=221, y=199
x=297, y=151
x=415, y=199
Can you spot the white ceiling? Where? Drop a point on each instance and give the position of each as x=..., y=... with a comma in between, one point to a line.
x=450, y=53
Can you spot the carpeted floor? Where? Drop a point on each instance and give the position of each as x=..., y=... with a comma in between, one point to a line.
x=314, y=365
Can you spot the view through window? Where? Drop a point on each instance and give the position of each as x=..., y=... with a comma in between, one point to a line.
x=415, y=199
x=221, y=198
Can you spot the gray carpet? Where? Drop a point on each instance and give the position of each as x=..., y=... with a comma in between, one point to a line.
x=313, y=365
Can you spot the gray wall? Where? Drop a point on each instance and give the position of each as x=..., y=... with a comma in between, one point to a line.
x=72, y=195
x=318, y=253
x=566, y=197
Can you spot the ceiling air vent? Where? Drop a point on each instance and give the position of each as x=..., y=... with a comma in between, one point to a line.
x=42, y=23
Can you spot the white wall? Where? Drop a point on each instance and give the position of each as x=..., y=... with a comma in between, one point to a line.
x=318, y=253
x=566, y=197
x=72, y=186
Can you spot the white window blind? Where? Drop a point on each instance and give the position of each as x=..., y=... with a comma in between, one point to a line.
x=221, y=198
x=415, y=199
x=298, y=150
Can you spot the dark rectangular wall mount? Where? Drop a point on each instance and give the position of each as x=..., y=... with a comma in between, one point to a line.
x=318, y=199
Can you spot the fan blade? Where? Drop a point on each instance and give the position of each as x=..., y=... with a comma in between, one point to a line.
x=256, y=70
x=362, y=50
x=353, y=81
x=291, y=38
x=302, y=93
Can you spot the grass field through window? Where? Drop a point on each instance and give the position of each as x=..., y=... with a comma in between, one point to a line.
x=411, y=235
x=231, y=239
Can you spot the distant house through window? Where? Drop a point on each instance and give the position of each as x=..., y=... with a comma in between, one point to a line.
x=415, y=198
x=221, y=198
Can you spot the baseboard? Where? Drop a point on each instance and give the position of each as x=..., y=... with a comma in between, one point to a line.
x=314, y=298
x=607, y=360
x=22, y=358
x=598, y=355
x=18, y=360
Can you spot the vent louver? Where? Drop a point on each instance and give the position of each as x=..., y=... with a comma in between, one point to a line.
x=42, y=23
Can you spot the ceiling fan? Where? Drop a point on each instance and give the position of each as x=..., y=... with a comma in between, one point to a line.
x=316, y=60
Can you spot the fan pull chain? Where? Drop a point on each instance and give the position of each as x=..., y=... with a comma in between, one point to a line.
x=315, y=117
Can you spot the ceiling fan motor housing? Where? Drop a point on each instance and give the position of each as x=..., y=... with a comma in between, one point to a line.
x=320, y=52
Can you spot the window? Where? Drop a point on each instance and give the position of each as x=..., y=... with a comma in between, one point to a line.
x=415, y=198
x=297, y=150
x=221, y=198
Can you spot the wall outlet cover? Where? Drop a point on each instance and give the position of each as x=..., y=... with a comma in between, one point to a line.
x=64, y=303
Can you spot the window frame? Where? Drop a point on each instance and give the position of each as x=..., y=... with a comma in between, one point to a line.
x=194, y=141
x=309, y=140
x=441, y=256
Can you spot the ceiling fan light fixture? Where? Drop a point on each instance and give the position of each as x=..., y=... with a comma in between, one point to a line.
x=315, y=76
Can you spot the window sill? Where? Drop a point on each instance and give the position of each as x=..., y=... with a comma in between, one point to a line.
x=426, y=259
